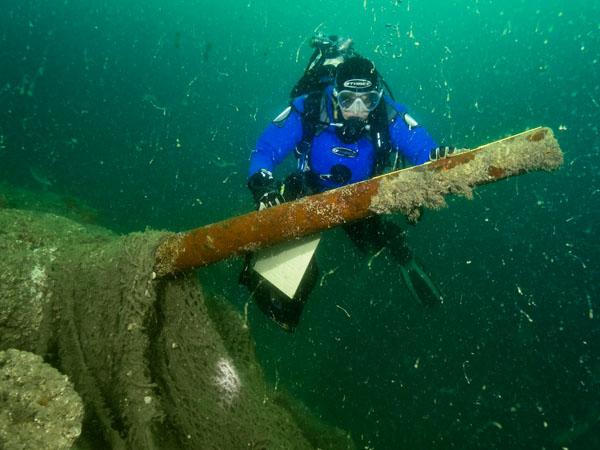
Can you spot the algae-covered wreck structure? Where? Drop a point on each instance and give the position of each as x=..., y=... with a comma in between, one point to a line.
x=108, y=341
x=155, y=364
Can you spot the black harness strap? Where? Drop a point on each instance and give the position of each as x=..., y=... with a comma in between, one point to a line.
x=311, y=120
x=379, y=130
x=380, y=136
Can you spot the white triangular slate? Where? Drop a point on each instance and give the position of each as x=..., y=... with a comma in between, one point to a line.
x=284, y=265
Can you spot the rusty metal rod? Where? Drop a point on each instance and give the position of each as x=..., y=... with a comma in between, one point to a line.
x=309, y=215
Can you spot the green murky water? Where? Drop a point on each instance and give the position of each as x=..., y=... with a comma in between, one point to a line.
x=147, y=111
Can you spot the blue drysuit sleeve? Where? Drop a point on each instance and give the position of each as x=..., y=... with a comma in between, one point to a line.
x=409, y=138
x=278, y=140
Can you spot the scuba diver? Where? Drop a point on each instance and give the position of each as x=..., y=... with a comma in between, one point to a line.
x=343, y=128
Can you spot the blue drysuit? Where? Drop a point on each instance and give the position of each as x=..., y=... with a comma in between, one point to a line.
x=318, y=164
x=327, y=150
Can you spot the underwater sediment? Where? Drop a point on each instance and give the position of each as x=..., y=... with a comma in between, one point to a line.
x=38, y=406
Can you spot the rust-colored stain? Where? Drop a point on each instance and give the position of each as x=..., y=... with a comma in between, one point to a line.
x=450, y=163
x=306, y=216
x=537, y=136
x=496, y=172
x=217, y=241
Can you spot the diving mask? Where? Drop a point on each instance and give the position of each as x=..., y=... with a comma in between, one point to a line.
x=352, y=101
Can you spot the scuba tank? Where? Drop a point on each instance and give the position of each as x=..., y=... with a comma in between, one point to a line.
x=320, y=72
x=329, y=52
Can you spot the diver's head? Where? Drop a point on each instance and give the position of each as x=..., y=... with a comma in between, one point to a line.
x=357, y=88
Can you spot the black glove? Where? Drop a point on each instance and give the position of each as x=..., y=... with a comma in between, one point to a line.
x=265, y=189
x=441, y=152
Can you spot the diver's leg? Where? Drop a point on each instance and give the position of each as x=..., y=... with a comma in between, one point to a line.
x=373, y=234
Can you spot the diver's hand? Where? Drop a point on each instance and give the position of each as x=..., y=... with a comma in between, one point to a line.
x=265, y=189
x=441, y=152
